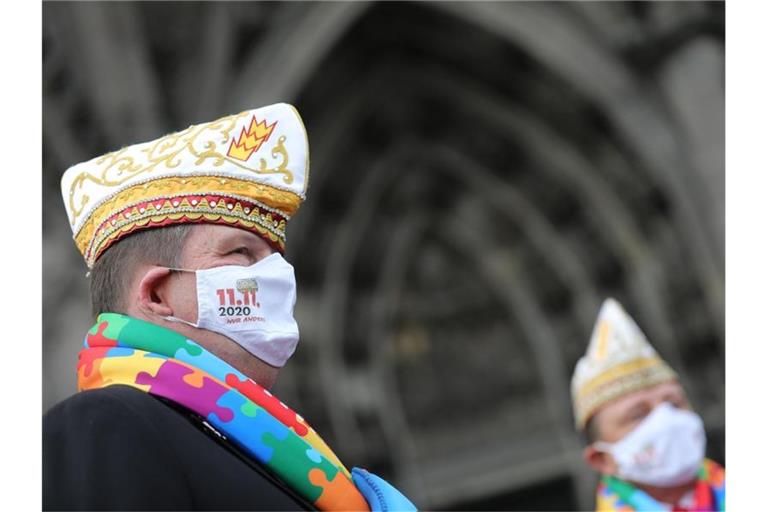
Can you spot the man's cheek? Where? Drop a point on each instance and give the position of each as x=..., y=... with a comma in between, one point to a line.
x=187, y=299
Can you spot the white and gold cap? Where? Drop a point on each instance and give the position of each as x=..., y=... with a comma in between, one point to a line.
x=249, y=170
x=619, y=360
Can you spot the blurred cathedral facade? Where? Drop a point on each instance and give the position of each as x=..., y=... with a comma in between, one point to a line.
x=483, y=175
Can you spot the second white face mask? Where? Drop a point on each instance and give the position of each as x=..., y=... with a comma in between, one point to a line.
x=252, y=306
x=665, y=450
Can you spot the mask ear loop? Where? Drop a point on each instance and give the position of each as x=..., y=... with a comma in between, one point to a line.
x=603, y=446
x=179, y=320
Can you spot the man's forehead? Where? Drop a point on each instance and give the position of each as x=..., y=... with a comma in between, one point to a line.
x=650, y=394
x=216, y=233
x=212, y=235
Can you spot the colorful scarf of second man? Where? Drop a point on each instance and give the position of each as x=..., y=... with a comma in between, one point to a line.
x=125, y=350
x=617, y=495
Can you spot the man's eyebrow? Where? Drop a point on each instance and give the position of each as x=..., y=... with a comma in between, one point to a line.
x=234, y=239
x=632, y=409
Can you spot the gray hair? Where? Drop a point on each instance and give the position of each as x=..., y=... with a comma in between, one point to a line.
x=112, y=273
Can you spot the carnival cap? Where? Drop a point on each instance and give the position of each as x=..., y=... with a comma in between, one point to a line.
x=619, y=360
x=249, y=170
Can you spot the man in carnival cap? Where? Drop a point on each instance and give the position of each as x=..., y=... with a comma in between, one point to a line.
x=644, y=439
x=184, y=238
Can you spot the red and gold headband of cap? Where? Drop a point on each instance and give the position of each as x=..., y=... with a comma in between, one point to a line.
x=249, y=170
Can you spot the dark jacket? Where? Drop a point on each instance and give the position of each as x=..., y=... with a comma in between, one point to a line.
x=118, y=448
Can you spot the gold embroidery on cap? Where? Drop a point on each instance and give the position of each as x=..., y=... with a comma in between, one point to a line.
x=120, y=166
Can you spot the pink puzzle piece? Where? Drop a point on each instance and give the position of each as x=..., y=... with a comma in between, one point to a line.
x=171, y=383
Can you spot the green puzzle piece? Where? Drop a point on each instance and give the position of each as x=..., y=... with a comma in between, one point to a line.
x=250, y=409
x=290, y=455
x=115, y=324
x=153, y=338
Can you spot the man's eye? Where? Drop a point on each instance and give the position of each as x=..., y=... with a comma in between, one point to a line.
x=240, y=250
x=637, y=414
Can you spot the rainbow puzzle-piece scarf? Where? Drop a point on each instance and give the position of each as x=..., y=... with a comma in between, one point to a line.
x=614, y=494
x=124, y=350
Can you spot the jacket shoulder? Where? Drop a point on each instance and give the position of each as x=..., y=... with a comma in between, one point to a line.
x=103, y=449
x=121, y=448
x=106, y=414
x=100, y=402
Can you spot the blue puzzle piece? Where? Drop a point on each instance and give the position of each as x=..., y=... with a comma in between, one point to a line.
x=313, y=455
x=207, y=361
x=249, y=428
x=120, y=352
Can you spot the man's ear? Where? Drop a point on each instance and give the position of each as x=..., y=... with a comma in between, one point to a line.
x=600, y=461
x=153, y=292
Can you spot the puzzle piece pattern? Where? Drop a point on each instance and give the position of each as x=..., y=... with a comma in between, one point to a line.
x=714, y=474
x=284, y=414
x=170, y=382
x=103, y=366
x=123, y=364
x=96, y=346
x=290, y=454
x=336, y=491
x=115, y=325
x=608, y=501
x=89, y=362
x=89, y=359
x=204, y=359
x=153, y=338
x=99, y=337
x=269, y=402
x=248, y=425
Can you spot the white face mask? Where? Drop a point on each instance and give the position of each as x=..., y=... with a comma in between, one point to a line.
x=253, y=306
x=664, y=450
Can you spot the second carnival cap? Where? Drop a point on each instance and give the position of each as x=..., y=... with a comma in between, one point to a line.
x=249, y=170
x=619, y=360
